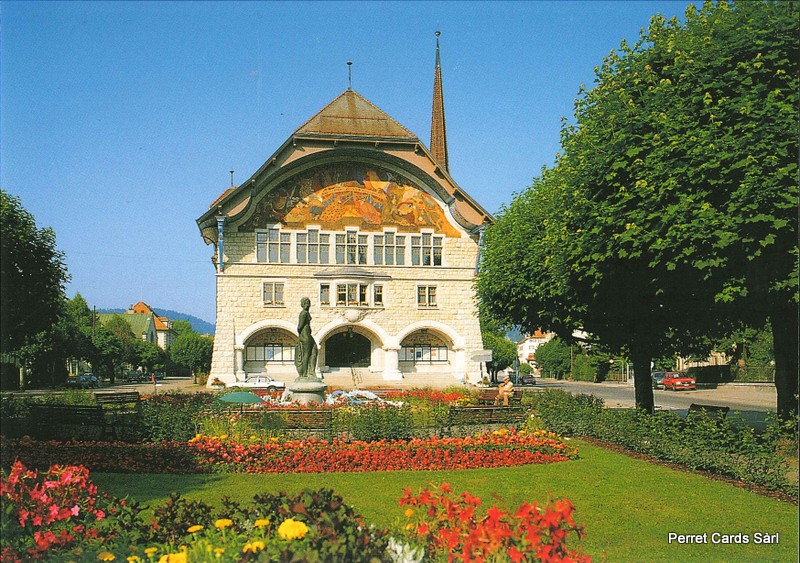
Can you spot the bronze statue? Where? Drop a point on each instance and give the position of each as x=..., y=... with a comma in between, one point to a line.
x=305, y=353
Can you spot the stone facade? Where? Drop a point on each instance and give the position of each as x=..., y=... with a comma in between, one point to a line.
x=354, y=213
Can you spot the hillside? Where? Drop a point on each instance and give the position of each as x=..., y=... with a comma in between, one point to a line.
x=199, y=325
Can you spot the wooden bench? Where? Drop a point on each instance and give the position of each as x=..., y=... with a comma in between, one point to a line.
x=301, y=420
x=47, y=420
x=713, y=412
x=487, y=396
x=457, y=416
x=121, y=400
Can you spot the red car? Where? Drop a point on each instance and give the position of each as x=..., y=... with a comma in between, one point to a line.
x=678, y=380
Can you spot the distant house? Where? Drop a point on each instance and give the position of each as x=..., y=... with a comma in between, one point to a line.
x=145, y=324
x=163, y=326
x=526, y=348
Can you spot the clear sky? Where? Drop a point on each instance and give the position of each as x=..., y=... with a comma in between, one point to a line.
x=120, y=121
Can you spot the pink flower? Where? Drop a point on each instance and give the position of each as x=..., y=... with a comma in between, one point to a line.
x=75, y=510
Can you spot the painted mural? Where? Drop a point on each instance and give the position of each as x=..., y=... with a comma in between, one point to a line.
x=351, y=195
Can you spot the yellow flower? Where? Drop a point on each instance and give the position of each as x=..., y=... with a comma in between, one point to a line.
x=218, y=551
x=223, y=436
x=134, y=559
x=150, y=550
x=409, y=512
x=223, y=523
x=193, y=529
x=253, y=547
x=292, y=529
x=106, y=556
x=174, y=558
x=261, y=523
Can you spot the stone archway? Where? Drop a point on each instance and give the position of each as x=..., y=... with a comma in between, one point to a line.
x=348, y=349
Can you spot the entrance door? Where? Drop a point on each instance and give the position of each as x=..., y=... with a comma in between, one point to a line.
x=346, y=349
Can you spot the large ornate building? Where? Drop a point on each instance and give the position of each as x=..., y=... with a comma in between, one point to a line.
x=356, y=213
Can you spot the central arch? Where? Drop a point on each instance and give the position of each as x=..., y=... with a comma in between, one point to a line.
x=346, y=349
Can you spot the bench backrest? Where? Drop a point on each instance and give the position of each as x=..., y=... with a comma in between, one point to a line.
x=121, y=398
x=712, y=411
x=67, y=414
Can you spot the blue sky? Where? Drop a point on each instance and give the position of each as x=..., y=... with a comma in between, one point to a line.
x=120, y=121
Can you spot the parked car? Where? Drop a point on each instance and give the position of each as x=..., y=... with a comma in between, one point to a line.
x=527, y=379
x=84, y=381
x=678, y=380
x=260, y=382
x=134, y=376
x=658, y=379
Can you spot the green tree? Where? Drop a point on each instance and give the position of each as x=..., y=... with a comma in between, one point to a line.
x=108, y=352
x=504, y=352
x=33, y=274
x=192, y=351
x=149, y=355
x=181, y=326
x=677, y=191
x=553, y=357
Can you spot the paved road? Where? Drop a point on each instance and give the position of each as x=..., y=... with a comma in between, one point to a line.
x=751, y=402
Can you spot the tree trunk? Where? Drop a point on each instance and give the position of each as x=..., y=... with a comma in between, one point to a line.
x=642, y=382
x=22, y=374
x=785, y=338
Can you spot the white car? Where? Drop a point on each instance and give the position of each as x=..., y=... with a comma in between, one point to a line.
x=260, y=382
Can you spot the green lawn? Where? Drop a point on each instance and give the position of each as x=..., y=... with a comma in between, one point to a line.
x=628, y=506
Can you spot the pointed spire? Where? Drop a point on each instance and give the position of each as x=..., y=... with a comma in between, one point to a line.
x=438, y=129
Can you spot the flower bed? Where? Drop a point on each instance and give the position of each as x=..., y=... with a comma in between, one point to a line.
x=59, y=515
x=205, y=454
x=497, y=449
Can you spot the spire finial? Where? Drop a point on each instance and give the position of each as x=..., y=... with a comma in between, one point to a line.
x=349, y=75
x=231, y=178
x=438, y=33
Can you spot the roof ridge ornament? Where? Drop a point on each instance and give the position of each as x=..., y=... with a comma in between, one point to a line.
x=349, y=75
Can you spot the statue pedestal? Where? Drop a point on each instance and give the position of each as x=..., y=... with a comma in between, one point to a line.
x=306, y=391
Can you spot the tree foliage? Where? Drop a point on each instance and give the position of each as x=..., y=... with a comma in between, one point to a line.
x=193, y=351
x=504, y=352
x=672, y=213
x=33, y=274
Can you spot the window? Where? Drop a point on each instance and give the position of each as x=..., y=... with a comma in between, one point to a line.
x=426, y=296
x=424, y=354
x=269, y=353
x=426, y=250
x=352, y=294
x=389, y=249
x=313, y=247
x=272, y=293
x=273, y=246
x=351, y=248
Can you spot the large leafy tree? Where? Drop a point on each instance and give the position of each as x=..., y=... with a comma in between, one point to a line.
x=33, y=274
x=504, y=352
x=678, y=192
x=193, y=351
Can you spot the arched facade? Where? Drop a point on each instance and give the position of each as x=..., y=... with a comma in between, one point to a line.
x=354, y=213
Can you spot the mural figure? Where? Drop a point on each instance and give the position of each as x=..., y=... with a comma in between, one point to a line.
x=305, y=354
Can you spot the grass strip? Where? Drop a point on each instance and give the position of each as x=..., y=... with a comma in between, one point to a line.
x=628, y=505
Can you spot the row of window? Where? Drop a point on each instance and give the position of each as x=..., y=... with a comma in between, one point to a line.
x=282, y=353
x=274, y=246
x=348, y=294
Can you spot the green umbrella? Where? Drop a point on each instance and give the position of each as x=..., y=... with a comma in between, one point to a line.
x=242, y=398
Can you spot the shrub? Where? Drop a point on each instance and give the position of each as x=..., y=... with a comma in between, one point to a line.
x=376, y=421
x=726, y=447
x=172, y=416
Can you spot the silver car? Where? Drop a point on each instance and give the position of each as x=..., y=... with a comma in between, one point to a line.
x=260, y=382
